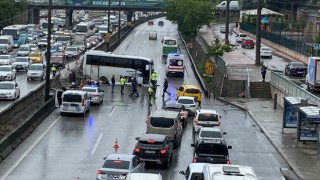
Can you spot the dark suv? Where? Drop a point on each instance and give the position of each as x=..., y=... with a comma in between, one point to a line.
x=211, y=152
x=154, y=148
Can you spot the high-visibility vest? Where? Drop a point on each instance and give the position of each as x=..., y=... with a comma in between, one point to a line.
x=53, y=68
x=150, y=90
x=153, y=76
x=122, y=81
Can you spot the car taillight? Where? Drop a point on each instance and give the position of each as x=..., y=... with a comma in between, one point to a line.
x=228, y=162
x=163, y=151
x=194, y=160
x=100, y=172
x=82, y=102
x=137, y=150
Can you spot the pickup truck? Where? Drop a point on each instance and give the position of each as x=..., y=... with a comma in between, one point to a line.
x=210, y=152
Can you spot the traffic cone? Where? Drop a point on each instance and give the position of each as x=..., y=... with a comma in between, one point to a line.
x=116, y=146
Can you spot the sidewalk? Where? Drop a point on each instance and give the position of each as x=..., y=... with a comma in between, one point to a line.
x=301, y=159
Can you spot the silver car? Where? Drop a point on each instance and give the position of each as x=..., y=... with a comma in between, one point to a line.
x=6, y=60
x=36, y=71
x=189, y=103
x=22, y=63
x=117, y=166
x=95, y=93
x=24, y=50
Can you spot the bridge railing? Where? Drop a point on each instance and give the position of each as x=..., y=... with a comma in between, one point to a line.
x=291, y=89
x=46, y=2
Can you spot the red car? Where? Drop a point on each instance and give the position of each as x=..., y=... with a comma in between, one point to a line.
x=93, y=41
x=248, y=43
x=58, y=59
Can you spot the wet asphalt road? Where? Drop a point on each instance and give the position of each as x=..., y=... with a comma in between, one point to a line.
x=71, y=147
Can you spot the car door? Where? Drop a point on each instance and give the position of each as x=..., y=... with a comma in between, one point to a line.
x=180, y=91
x=58, y=99
x=179, y=127
x=13, y=70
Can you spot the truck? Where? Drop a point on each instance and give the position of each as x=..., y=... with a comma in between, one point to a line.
x=80, y=40
x=313, y=75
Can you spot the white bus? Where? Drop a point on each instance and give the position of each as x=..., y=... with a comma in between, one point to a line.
x=19, y=34
x=85, y=28
x=102, y=65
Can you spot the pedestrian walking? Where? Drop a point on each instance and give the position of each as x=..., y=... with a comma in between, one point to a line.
x=54, y=70
x=263, y=72
x=123, y=83
x=165, y=87
x=134, y=85
x=113, y=83
x=237, y=25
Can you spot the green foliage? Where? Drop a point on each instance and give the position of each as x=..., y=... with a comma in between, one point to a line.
x=9, y=9
x=217, y=49
x=317, y=40
x=189, y=15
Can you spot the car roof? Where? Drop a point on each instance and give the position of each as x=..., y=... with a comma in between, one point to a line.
x=36, y=64
x=186, y=97
x=57, y=54
x=6, y=66
x=214, y=129
x=124, y=157
x=204, y=111
x=172, y=104
x=155, y=137
x=7, y=82
x=164, y=113
x=196, y=167
x=74, y=92
x=191, y=86
x=35, y=52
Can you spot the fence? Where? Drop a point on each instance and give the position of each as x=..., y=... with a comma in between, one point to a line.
x=291, y=89
x=295, y=45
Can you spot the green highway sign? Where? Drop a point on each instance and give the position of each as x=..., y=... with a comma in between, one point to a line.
x=115, y=3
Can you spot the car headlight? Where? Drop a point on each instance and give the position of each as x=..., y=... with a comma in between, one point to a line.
x=9, y=74
x=12, y=93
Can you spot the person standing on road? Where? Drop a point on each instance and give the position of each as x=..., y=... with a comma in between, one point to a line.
x=113, y=83
x=151, y=94
x=165, y=87
x=154, y=78
x=134, y=85
x=123, y=83
x=263, y=72
x=237, y=25
x=54, y=70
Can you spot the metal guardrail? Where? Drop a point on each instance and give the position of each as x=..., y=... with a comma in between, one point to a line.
x=291, y=89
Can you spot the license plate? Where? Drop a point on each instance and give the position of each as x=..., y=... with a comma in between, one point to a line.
x=300, y=72
x=150, y=152
x=74, y=105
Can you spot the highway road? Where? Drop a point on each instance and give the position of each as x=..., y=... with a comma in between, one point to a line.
x=73, y=147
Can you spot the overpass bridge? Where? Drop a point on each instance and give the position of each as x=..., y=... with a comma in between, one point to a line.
x=130, y=6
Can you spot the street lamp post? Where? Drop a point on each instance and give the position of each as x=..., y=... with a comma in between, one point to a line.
x=47, y=54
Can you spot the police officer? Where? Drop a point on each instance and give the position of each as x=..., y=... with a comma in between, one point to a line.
x=113, y=83
x=134, y=85
x=123, y=83
x=54, y=70
x=151, y=93
x=154, y=78
x=165, y=87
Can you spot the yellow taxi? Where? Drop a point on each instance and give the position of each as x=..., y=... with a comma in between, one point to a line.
x=36, y=56
x=189, y=90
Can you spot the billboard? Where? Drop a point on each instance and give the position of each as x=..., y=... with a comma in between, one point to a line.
x=307, y=129
x=115, y=3
x=290, y=115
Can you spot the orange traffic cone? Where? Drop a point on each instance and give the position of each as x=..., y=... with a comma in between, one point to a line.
x=116, y=146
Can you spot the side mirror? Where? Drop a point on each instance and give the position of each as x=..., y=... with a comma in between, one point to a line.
x=224, y=133
x=137, y=138
x=182, y=172
x=229, y=147
x=104, y=158
x=193, y=145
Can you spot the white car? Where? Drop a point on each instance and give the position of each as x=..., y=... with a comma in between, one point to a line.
x=9, y=90
x=24, y=50
x=36, y=71
x=95, y=93
x=6, y=59
x=240, y=37
x=33, y=47
x=205, y=118
x=7, y=73
x=209, y=134
x=265, y=52
x=22, y=63
x=189, y=103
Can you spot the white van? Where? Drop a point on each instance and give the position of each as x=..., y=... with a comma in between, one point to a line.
x=234, y=5
x=143, y=176
x=228, y=172
x=7, y=41
x=72, y=101
x=175, y=64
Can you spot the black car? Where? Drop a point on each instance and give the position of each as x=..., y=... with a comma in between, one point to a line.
x=295, y=68
x=160, y=23
x=211, y=152
x=180, y=108
x=154, y=148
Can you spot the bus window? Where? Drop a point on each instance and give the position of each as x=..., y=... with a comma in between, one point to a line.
x=170, y=42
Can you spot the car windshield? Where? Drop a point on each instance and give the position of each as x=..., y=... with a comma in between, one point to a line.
x=34, y=55
x=265, y=49
x=71, y=49
x=89, y=90
x=43, y=40
x=33, y=46
x=161, y=122
x=209, y=148
x=2, y=68
x=54, y=47
x=72, y=98
x=116, y=164
x=4, y=57
x=243, y=35
x=23, y=48
x=103, y=29
x=297, y=64
x=176, y=62
x=21, y=59
x=192, y=91
x=186, y=101
x=78, y=43
x=35, y=68
x=249, y=40
x=208, y=117
x=170, y=42
x=210, y=134
x=6, y=86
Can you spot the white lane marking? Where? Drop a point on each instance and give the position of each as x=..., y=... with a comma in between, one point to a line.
x=24, y=155
x=112, y=111
x=97, y=144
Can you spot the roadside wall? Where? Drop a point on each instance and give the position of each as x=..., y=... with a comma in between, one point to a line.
x=232, y=88
x=280, y=94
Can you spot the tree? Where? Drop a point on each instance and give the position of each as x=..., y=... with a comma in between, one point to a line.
x=190, y=15
x=217, y=49
x=9, y=9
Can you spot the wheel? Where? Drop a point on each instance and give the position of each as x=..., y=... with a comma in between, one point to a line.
x=270, y=57
x=61, y=114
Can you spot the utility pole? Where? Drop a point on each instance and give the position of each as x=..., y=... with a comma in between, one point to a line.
x=47, y=54
x=258, y=32
x=226, y=37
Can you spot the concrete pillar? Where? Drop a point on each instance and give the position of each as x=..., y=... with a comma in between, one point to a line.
x=35, y=16
x=69, y=13
x=30, y=15
x=129, y=18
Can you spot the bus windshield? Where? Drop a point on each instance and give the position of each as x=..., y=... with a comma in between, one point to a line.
x=170, y=42
x=11, y=32
x=81, y=28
